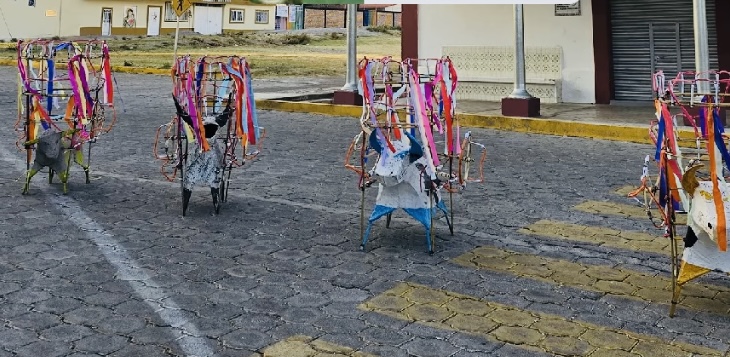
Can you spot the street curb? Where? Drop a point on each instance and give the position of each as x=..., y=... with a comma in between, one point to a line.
x=624, y=133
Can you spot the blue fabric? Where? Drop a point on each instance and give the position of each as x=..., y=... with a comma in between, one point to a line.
x=442, y=206
x=422, y=215
x=51, y=76
x=660, y=137
x=222, y=93
x=199, y=77
x=374, y=143
x=703, y=118
x=380, y=211
x=254, y=115
x=62, y=46
x=237, y=74
x=718, y=138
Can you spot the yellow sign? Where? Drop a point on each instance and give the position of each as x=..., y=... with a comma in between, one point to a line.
x=50, y=13
x=181, y=6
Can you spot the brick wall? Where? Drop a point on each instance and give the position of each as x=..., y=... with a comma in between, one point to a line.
x=314, y=18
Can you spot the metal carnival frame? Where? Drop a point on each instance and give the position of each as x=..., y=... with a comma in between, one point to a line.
x=692, y=174
x=411, y=134
x=216, y=113
x=59, y=85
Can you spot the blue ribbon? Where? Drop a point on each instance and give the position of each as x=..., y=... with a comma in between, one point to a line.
x=199, y=78
x=719, y=143
x=237, y=74
x=249, y=90
x=660, y=137
x=51, y=76
x=222, y=93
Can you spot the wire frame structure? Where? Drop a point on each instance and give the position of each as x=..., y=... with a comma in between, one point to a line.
x=216, y=114
x=65, y=94
x=405, y=108
x=692, y=176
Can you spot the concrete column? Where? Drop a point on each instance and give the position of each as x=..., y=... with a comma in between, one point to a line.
x=702, y=52
x=348, y=94
x=351, y=83
x=520, y=90
x=520, y=103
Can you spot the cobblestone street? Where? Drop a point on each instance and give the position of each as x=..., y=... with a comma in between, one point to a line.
x=548, y=256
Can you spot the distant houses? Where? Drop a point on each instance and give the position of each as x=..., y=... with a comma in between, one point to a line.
x=130, y=17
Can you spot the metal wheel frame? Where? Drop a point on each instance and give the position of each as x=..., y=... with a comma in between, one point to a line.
x=182, y=157
x=229, y=155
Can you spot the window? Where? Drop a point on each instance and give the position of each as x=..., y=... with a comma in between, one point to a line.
x=237, y=15
x=170, y=15
x=262, y=16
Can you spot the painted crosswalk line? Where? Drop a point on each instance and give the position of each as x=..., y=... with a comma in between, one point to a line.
x=597, y=278
x=632, y=211
x=528, y=329
x=305, y=346
x=625, y=190
x=603, y=236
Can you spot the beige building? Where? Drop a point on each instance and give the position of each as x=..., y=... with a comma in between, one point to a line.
x=63, y=18
x=594, y=51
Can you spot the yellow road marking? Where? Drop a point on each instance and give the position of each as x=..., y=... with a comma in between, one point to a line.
x=598, y=278
x=625, y=210
x=603, y=236
x=305, y=346
x=625, y=190
x=526, y=329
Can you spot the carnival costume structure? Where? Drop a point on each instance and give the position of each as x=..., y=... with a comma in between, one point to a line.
x=692, y=176
x=216, y=112
x=400, y=128
x=63, y=101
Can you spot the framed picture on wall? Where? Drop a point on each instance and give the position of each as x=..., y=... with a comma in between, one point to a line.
x=130, y=16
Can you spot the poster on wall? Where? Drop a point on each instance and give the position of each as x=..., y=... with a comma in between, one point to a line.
x=568, y=9
x=292, y=13
x=282, y=11
x=130, y=16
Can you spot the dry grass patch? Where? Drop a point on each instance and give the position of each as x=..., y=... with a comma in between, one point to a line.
x=270, y=53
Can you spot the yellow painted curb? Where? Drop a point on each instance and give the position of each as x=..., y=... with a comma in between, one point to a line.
x=634, y=134
x=305, y=107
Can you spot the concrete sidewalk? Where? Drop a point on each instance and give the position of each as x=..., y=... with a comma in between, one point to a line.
x=615, y=114
x=618, y=122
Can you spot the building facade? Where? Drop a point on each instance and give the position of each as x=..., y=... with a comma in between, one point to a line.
x=599, y=51
x=335, y=16
x=65, y=18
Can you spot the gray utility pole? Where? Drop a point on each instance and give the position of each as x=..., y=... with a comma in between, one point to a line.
x=351, y=84
x=702, y=52
x=520, y=90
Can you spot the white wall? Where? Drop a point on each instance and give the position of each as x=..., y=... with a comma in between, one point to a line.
x=21, y=21
x=493, y=25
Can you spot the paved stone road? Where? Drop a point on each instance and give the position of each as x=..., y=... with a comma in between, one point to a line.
x=547, y=258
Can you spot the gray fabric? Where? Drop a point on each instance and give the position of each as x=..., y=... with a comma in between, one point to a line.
x=49, y=152
x=205, y=168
